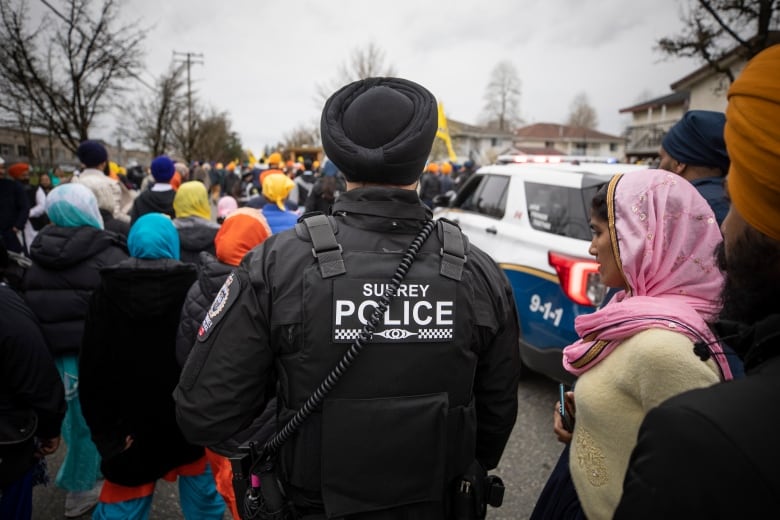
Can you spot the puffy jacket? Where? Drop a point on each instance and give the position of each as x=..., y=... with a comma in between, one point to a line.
x=66, y=269
x=195, y=235
x=211, y=276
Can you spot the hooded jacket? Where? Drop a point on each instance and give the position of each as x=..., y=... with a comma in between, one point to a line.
x=65, y=271
x=195, y=235
x=128, y=369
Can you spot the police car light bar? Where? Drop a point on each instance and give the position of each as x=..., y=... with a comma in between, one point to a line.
x=579, y=278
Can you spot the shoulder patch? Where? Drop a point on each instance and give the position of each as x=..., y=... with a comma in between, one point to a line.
x=226, y=296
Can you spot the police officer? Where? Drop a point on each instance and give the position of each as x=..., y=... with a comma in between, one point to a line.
x=435, y=388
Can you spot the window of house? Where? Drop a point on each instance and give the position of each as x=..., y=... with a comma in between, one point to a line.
x=21, y=150
x=613, y=147
x=6, y=149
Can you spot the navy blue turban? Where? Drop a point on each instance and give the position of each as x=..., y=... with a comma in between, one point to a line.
x=697, y=139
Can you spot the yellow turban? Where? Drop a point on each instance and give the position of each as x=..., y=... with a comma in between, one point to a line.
x=752, y=136
x=192, y=200
x=276, y=187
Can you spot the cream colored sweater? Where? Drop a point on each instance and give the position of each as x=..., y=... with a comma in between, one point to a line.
x=611, y=400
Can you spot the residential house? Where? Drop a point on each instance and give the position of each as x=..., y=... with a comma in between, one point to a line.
x=480, y=144
x=703, y=89
x=650, y=122
x=551, y=138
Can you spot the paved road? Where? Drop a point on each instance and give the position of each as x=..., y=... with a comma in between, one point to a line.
x=529, y=457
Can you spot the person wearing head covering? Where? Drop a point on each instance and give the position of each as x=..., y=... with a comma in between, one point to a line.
x=105, y=199
x=242, y=230
x=225, y=205
x=193, y=221
x=128, y=370
x=653, y=237
x=289, y=312
x=67, y=256
x=711, y=453
x=429, y=184
x=305, y=181
x=94, y=157
x=274, y=166
x=694, y=149
x=276, y=189
x=446, y=183
x=14, y=210
x=158, y=198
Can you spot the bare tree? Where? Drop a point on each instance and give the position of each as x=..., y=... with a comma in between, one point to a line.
x=502, y=96
x=152, y=118
x=70, y=68
x=364, y=62
x=581, y=113
x=214, y=138
x=302, y=135
x=715, y=28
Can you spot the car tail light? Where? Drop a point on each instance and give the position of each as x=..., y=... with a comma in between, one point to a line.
x=579, y=278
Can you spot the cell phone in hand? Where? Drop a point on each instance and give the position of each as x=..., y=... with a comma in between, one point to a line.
x=566, y=418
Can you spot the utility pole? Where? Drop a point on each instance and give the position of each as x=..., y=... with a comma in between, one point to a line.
x=188, y=58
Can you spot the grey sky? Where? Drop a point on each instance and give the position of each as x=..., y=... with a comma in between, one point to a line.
x=264, y=58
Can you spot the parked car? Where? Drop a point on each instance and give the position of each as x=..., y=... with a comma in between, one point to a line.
x=534, y=220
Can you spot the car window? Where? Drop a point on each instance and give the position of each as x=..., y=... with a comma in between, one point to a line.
x=559, y=210
x=485, y=194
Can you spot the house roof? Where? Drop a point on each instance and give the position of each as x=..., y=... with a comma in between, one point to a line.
x=558, y=132
x=676, y=98
x=458, y=128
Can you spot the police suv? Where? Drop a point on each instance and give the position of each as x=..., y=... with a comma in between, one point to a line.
x=533, y=219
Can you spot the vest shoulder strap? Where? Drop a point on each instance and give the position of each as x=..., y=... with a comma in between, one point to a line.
x=453, y=250
x=325, y=248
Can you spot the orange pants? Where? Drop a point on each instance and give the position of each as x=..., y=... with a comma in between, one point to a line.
x=223, y=476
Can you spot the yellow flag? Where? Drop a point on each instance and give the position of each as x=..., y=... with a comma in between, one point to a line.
x=250, y=157
x=443, y=133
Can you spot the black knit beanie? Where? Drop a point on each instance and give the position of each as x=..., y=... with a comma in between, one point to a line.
x=380, y=130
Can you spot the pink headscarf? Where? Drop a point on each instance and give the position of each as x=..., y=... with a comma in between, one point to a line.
x=664, y=235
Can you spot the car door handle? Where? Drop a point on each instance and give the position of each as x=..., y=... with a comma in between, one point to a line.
x=492, y=230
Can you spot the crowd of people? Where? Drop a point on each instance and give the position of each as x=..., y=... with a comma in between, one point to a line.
x=157, y=323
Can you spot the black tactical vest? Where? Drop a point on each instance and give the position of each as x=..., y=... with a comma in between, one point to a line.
x=401, y=423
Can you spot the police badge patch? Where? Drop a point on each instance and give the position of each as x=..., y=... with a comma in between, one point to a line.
x=227, y=294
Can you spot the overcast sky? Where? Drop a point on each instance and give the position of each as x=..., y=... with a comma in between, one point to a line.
x=264, y=58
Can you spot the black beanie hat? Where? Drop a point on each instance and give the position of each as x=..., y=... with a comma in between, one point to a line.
x=380, y=130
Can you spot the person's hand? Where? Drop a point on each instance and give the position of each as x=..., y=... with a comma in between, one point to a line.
x=560, y=432
x=47, y=447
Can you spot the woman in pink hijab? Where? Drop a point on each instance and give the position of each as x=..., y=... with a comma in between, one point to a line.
x=654, y=237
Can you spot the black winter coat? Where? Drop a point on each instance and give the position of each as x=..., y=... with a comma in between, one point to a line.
x=128, y=369
x=712, y=453
x=195, y=235
x=65, y=271
x=149, y=201
x=211, y=276
x=28, y=379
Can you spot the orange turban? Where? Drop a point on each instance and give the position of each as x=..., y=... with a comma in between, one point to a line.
x=18, y=170
x=446, y=168
x=237, y=236
x=175, y=181
x=433, y=167
x=752, y=136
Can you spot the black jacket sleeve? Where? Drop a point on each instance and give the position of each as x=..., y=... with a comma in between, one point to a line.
x=498, y=370
x=27, y=371
x=223, y=384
